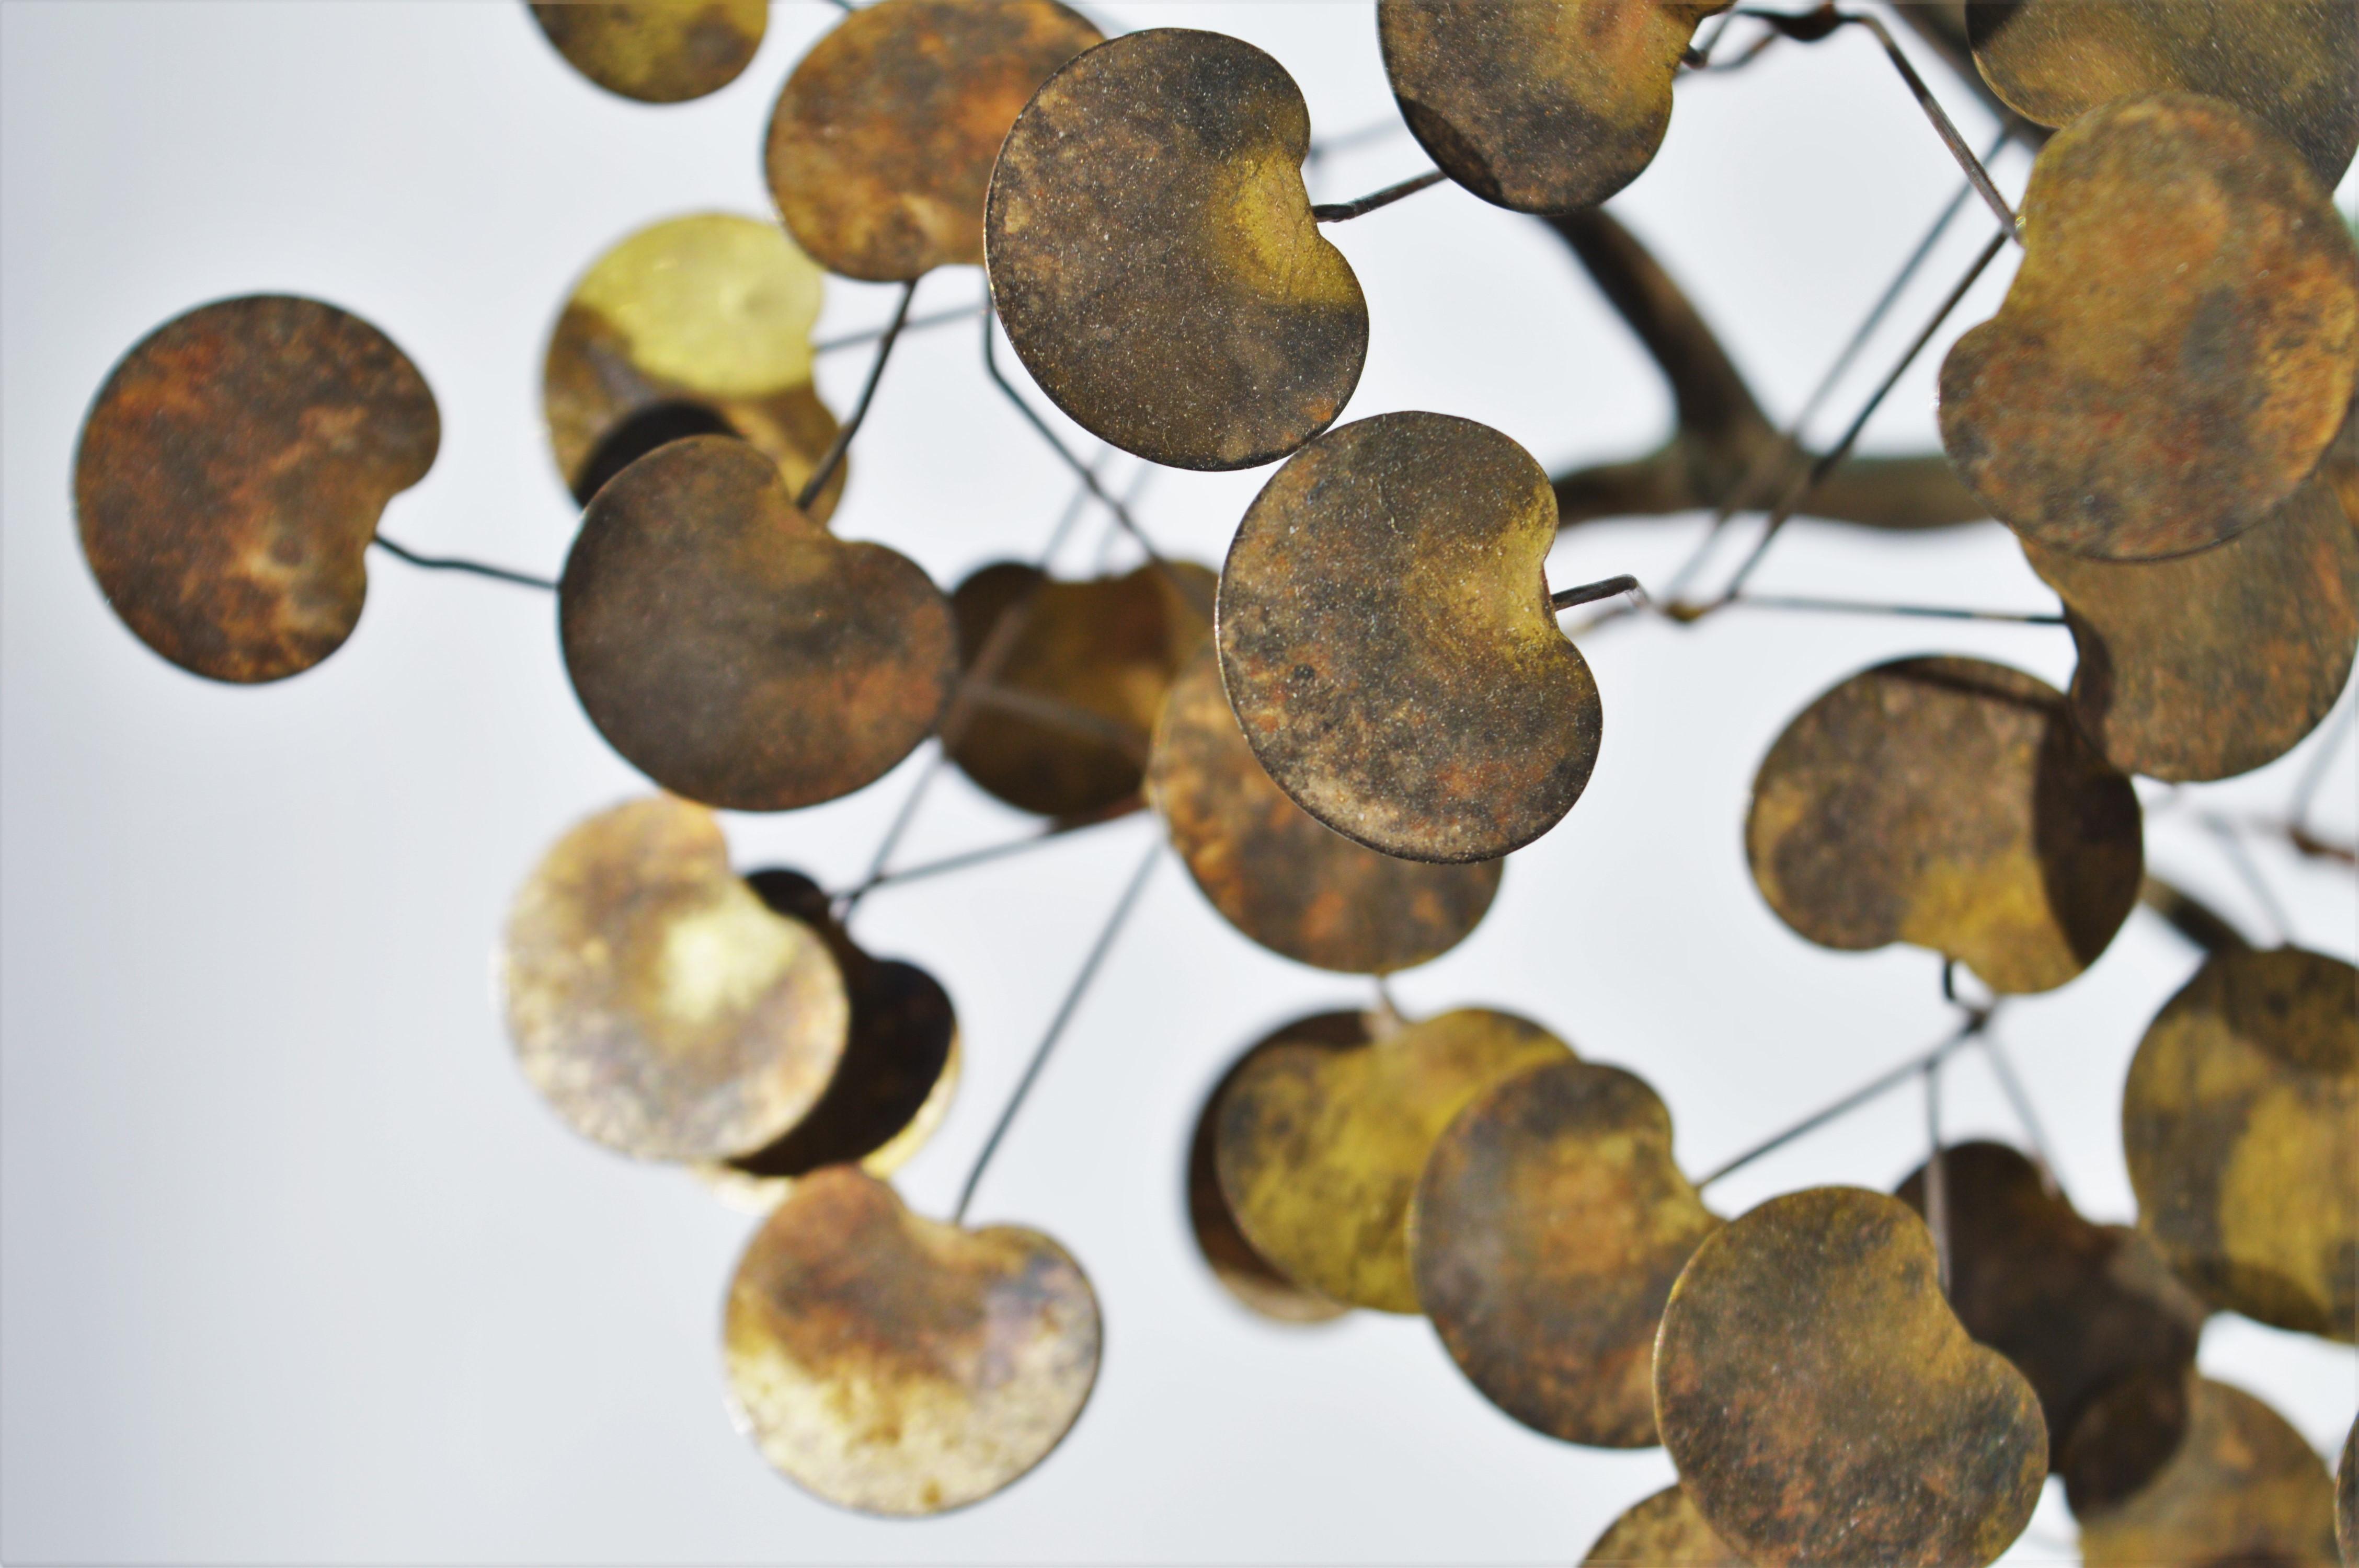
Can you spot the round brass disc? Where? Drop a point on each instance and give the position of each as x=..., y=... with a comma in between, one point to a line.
x=1060, y=726
x=1244, y=1273
x=1952, y=804
x=2179, y=346
x=1662, y=1532
x=2242, y=1487
x=653, y=1000
x=1193, y=314
x=1274, y=872
x=2240, y=1122
x=734, y=650
x=1387, y=642
x=2075, y=1306
x=891, y=1364
x=1823, y=1406
x=694, y=326
x=231, y=474
x=1538, y=105
x=2291, y=63
x=1318, y=1149
x=2212, y=665
x=882, y=141
x=657, y=51
x=1544, y=1237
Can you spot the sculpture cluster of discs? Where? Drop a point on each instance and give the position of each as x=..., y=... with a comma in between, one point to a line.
x=1350, y=725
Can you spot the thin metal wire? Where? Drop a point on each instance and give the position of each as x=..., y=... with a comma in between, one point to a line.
x=1591, y=592
x=1882, y=1084
x=2305, y=792
x=915, y=324
x=842, y=442
x=459, y=564
x=2231, y=846
x=1360, y=206
x=1937, y=1179
x=1065, y=1010
x=989, y=852
x=1374, y=131
x=2018, y=1098
x=1859, y=607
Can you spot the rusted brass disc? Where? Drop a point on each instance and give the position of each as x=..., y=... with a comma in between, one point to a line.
x=231, y=474
x=891, y=1363
x=1318, y=1150
x=696, y=326
x=1387, y=643
x=657, y=51
x=1061, y=726
x=1154, y=259
x=653, y=1000
x=2240, y=1121
x=1544, y=1237
x=1823, y=1406
x=2179, y=345
x=734, y=649
x=2291, y=63
x=896, y=1079
x=2076, y=1306
x=2242, y=1487
x=1538, y=106
x=1273, y=872
x=1662, y=1532
x=882, y=141
x=2214, y=664
x=1948, y=803
x=1244, y=1273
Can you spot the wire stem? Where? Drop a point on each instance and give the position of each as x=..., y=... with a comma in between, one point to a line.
x=842, y=442
x=1591, y=592
x=1882, y=1084
x=1854, y=607
x=459, y=564
x=1344, y=212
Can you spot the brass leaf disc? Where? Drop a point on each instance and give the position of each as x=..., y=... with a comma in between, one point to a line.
x=657, y=51
x=1661, y=1532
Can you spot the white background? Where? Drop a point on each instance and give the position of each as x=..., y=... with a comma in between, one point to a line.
x=295, y=1265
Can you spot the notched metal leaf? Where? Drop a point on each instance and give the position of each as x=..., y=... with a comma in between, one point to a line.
x=657, y=51
x=1661, y=1532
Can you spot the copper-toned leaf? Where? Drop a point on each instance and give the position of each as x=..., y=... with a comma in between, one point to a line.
x=1061, y=725
x=1545, y=1235
x=1153, y=255
x=1823, y=1405
x=1539, y=105
x=2293, y=64
x=1387, y=642
x=891, y=1363
x=2214, y=664
x=1661, y=1532
x=2240, y=1121
x=231, y=474
x=654, y=1001
x=694, y=326
x=2241, y=1488
x=734, y=649
x=882, y=141
x=1952, y=804
x=1277, y=874
x=1244, y=1273
x=2076, y=1306
x=2179, y=346
x=657, y=51
x=1318, y=1150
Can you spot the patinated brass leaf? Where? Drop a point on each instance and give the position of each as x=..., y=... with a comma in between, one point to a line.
x=1661, y=1532
x=1274, y=872
x=2214, y=664
x=888, y=1363
x=2346, y=1499
x=2293, y=64
x=2179, y=346
x=2240, y=1121
x=657, y=51
x=2076, y=1306
x=1318, y=1149
x=231, y=475
x=1538, y=106
x=1948, y=803
x=1154, y=259
x=1387, y=642
x=882, y=141
x=2241, y=1488
x=1061, y=725
x=734, y=649
x=1544, y=1237
x=694, y=326
x=1244, y=1273
x=1823, y=1405
x=896, y=1079
x=654, y=1001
